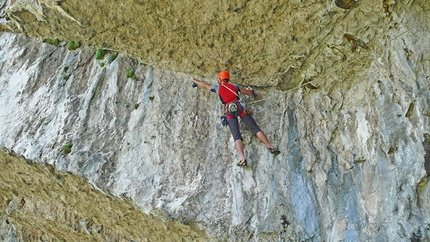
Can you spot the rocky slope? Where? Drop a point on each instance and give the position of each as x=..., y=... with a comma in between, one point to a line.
x=40, y=203
x=342, y=90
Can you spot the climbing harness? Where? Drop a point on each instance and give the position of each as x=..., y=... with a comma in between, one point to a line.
x=232, y=106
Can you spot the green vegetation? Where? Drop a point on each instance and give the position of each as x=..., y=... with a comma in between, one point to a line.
x=392, y=149
x=151, y=98
x=67, y=148
x=422, y=186
x=136, y=105
x=410, y=110
x=130, y=74
x=100, y=54
x=102, y=64
x=72, y=45
x=112, y=57
x=361, y=160
x=65, y=76
x=55, y=42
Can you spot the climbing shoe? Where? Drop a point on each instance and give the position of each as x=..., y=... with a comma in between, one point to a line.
x=242, y=163
x=274, y=151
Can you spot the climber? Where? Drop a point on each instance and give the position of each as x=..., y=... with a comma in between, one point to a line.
x=233, y=108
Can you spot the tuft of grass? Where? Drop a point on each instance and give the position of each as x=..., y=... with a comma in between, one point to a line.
x=151, y=98
x=67, y=148
x=136, y=106
x=102, y=64
x=65, y=76
x=100, y=54
x=361, y=160
x=130, y=74
x=55, y=42
x=112, y=57
x=73, y=45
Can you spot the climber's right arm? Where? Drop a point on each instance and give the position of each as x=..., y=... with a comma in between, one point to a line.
x=201, y=83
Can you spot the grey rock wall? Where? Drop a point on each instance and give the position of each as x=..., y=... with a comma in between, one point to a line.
x=348, y=108
x=354, y=151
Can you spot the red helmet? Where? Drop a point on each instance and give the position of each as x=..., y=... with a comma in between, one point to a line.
x=224, y=75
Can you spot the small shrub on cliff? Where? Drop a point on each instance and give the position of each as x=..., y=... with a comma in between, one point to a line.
x=65, y=76
x=67, y=148
x=100, y=54
x=72, y=45
x=55, y=42
x=112, y=57
x=130, y=74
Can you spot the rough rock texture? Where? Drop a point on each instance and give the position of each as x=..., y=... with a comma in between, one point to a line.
x=40, y=203
x=349, y=112
x=266, y=44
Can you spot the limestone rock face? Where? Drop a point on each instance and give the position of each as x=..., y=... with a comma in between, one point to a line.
x=347, y=107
